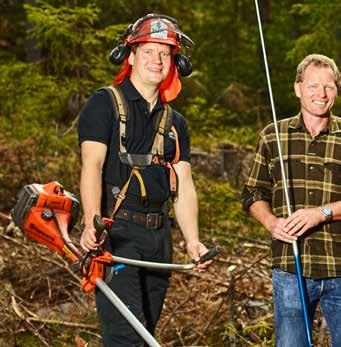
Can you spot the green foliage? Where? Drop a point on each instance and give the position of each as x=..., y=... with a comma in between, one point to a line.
x=216, y=124
x=12, y=22
x=208, y=140
x=221, y=217
x=319, y=27
x=35, y=97
x=203, y=118
x=27, y=340
x=65, y=339
x=28, y=95
x=262, y=330
x=31, y=123
x=71, y=40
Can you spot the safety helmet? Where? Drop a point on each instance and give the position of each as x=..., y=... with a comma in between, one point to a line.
x=157, y=28
x=160, y=29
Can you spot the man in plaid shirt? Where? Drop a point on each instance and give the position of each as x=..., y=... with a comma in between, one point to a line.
x=311, y=150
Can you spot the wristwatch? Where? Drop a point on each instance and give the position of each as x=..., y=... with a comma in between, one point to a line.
x=327, y=212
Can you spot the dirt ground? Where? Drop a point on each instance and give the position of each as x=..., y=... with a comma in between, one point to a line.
x=42, y=304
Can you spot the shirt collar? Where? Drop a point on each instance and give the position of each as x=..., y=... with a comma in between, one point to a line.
x=133, y=94
x=334, y=124
x=130, y=91
x=297, y=123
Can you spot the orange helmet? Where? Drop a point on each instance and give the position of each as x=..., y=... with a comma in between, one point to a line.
x=157, y=28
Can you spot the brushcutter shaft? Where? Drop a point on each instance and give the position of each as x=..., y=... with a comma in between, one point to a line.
x=164, y=266
x=127, y=314
x=152, y=265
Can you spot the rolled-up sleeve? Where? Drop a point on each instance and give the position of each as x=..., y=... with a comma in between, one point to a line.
x=259, y=183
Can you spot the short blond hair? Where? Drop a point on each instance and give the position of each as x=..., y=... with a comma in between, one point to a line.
x=321, y=61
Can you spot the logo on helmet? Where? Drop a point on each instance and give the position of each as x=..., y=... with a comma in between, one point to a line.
x=158, y=29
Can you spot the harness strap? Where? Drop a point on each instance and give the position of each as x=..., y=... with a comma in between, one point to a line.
x=177, y=146
x=173, y=177
x=121, y=196
x=122, y=114
x=159, y=140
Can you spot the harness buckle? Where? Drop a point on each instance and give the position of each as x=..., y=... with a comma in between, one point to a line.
x=122, y=117
x=139, y=160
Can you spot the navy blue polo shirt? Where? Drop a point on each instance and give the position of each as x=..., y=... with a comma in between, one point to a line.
x=98, y=123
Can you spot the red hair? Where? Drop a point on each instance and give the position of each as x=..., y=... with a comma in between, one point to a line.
x=124, y=72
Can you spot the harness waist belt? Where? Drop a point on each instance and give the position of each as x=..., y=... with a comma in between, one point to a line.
x=148, y=220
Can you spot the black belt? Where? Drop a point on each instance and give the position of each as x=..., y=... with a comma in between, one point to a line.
x=148, y=220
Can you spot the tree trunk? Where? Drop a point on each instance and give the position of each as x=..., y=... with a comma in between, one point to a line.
x=33, y=53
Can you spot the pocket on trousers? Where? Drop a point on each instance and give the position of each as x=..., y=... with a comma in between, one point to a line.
x=285, y=292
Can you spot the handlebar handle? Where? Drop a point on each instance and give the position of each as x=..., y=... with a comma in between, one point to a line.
x=208, y=256
x=100, y=225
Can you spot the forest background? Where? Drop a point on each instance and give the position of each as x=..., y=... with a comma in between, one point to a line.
x=54, y=54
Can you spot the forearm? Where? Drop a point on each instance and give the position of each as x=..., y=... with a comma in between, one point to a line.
x=93, y=157
x=91, y=192
x=262, y=212
x=186, y=211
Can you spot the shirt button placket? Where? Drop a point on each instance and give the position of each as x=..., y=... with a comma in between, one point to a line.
x=310, y=173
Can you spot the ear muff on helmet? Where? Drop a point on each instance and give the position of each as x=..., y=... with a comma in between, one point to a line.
x=183, y=64
x=118, y=54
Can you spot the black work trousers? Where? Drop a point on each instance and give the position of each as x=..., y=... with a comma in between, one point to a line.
x=142, y=290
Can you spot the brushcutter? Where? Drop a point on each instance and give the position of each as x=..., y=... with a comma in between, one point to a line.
x=47, y=213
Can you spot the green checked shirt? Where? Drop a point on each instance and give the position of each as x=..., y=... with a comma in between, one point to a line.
x=313, y=171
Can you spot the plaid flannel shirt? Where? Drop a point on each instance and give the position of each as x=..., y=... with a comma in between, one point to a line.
x=313, y=171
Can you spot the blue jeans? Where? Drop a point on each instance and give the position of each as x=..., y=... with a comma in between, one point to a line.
x=289, y=321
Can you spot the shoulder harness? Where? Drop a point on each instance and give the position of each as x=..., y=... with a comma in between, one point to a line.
x=163, y=125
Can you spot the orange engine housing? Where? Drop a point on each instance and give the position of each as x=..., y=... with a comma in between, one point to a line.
x=46, y=213
x=41, y=209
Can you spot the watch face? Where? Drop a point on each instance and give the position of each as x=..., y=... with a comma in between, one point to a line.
x=327, y=212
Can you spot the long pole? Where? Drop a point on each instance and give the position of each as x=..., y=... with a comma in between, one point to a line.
x=300, y=279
